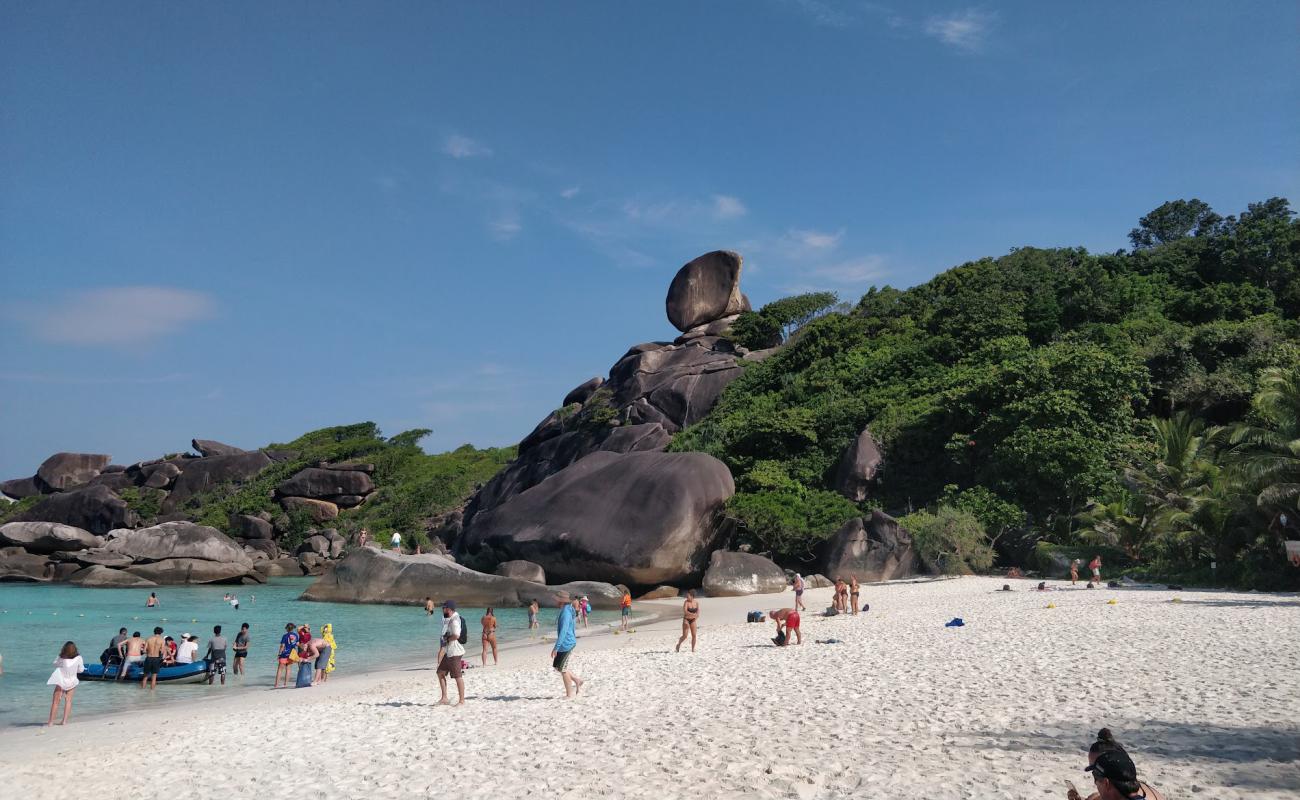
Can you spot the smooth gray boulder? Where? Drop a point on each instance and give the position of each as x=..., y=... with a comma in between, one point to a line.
x=161, y=475
x=18, y=488
x=279, y=567
x=25, y=567
x=858, y=467
x=580, y=393
x=876, y=548
x=636, y=518
x=205, y=474
x=705, y=289
x=210, y=447
x=193, y=570
x=63, y=471
x=100, y=558
x=314, y=544
x=95, y=508
x=675, y=386
x=636, y=438
x=100, y=577
x=737, y=574
x=523, y=570
x=177, y=540
x=47, y=537
x=348, y=500
x=266, y=547
x=350, y=466
x=319, y=483
x=246, y=526
x=116, y=481
x=370, y=575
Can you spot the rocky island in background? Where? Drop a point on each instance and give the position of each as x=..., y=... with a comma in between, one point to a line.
x=591, y=500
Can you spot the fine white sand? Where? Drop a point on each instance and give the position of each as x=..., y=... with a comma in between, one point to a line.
x=1205, y=693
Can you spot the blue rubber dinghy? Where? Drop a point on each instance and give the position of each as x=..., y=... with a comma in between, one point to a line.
x=194, y=672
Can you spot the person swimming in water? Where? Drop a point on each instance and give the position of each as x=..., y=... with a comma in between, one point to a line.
x=690, y=614
x=153, y=601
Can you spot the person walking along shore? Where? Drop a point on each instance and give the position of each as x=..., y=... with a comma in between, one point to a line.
x=566, y=639
x=450, y=653
x=690, y=614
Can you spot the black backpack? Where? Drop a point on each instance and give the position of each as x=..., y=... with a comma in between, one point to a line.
x=464, y=631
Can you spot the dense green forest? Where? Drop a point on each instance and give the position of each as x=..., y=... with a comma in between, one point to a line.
x=1145, y=400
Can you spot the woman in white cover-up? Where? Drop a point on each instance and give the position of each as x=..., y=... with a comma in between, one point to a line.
x=64, y=680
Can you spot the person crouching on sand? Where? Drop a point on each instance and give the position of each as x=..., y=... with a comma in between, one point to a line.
x=566, y=639
x=787, y=623
x=1113, y=772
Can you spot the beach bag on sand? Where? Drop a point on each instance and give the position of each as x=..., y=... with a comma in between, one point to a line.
x=754, y=616
x=779, y=639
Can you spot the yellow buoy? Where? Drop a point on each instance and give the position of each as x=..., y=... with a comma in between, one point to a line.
x=1051, y=605
x=1112, y=602
x=1176, y=600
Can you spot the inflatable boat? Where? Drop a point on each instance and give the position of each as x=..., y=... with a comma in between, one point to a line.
x=193, y=672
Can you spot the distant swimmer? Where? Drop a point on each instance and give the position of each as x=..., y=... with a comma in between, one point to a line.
x=153, y=601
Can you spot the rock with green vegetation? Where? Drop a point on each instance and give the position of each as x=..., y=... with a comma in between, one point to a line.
x=858, y=467
x=20, y=488
x=203, y=475
x=95, y=508
x=211, y=447
x=177, y=540
x=873, y=548
x=317, y=510
x=324, y=484
x=583, y=391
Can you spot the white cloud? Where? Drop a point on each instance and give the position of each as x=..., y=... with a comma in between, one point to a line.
x=727, y=207
x=571, y=192
x=458, y=146
x=118, y=316
x=814, y=240
x=966, y=30
x=854, y=272
x=505, y=227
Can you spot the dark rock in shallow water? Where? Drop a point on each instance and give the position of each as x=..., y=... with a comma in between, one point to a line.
x=95, y=508
x=63, y=471
x=735, y=574
x=210, y=447
x=639, y=518
x=706, y=289
x=204, y=474
x=96, y=576
x=523, y=570
x=319, y=483
x=178, y=540
x=47, y=537
x=18, y=488
x=858, y=467
x=874, y=549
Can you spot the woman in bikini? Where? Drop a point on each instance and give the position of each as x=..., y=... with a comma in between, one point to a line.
x=489, y=623
x=855, y=589
x=690, y=614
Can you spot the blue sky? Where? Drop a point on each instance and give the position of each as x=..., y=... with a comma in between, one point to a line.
x=245, y=222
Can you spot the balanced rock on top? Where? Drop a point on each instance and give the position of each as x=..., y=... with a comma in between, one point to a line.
x=706, y=289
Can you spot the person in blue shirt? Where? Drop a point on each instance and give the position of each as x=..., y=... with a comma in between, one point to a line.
x=566, y=638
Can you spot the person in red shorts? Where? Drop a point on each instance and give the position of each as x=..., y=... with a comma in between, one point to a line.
x=787, y=623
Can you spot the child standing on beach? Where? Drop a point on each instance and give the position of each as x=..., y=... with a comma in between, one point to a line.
x=625, y=607
x=64, y=680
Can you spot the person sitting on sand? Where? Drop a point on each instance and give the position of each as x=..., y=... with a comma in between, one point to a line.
x=1113, y=773
x=489, y=623
x=787, y=623
x=854, y=591
x=288, y=644
x=690, y=615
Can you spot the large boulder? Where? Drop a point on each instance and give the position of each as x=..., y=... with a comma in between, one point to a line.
x=18, y=488
x=160, y=475
x=279, y=567
x=674, y=386
x=636, y=518
x=318, y=510
x=266, y=547
x=99, y=577
x=204, y=474
x=523, y=570
x=736, y=574
x=706, y=289
x=875, y=548
x=370, y=575
x=47, y=537
x=177, y=540
x=317, y=544
x=580, y=393
x=193, y=570
x=246, y=526
x=63, y=471
x=324, y=483
x=210, y=447
x=858, y=467
x=661, y=593
x=96, y=558
x=116, y=481
x=636, y=438
x=95, y=508
x=16, y=565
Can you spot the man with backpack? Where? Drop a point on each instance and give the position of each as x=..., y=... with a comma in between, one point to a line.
x=451, y=651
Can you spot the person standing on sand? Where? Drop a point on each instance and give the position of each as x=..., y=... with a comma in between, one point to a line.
x=154, y=647
x=533, y=625
x=288, y=643
x=855, y=589
x=625, y=610
x=566, y=639
x=787, y=622
x=690, y=614
x=1095, y=566
x=241, y=648
x=798, y=593
x=1074, y=572
x=489, y=623
x=325, y=664
x=64, y=680
x=450, y=653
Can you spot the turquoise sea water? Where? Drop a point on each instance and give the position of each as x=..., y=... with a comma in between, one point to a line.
x=35, y=621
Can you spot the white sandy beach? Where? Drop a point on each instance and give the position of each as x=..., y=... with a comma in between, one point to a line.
x=1204, y=693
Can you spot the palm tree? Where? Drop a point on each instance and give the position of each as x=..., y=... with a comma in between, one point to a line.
x=1267, y=455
